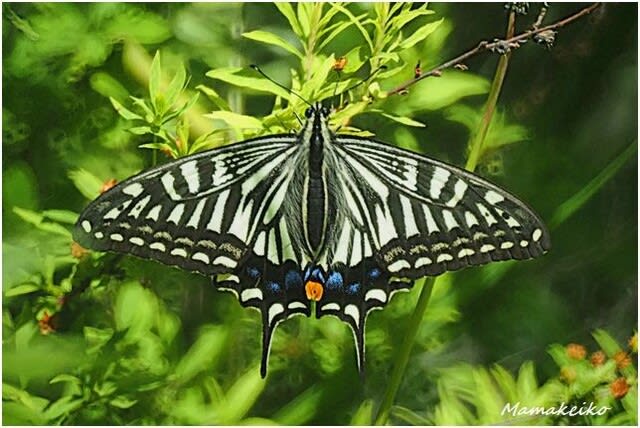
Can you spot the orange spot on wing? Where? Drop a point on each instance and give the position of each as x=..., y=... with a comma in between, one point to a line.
x=314, y=290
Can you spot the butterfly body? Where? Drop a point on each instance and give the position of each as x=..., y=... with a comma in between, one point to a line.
x=283, y=221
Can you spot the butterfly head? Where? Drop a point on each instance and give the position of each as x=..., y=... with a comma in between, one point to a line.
x=317, y=111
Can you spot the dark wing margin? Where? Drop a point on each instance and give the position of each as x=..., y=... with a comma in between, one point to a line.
x=428, y=217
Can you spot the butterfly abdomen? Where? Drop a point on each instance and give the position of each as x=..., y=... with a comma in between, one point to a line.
x=316, y=192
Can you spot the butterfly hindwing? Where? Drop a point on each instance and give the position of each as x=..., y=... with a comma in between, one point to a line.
x=271, y=280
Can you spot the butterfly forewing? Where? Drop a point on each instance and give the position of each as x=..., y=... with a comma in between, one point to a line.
x=427, y=217
x=199, y=212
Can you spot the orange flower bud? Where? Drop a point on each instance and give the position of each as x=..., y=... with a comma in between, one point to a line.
x=340, y=64
x=598, y=358
x=622, y=359
x=576, y=351
x=108, y=185
x=47, y=323
x=78, y=251
x=619, y=388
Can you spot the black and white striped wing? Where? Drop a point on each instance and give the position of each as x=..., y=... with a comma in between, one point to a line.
x=219, y=213
x=199, y=213
x=403, y=216
x=426, y=217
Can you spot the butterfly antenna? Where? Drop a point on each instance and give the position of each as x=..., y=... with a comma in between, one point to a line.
x=291, y=91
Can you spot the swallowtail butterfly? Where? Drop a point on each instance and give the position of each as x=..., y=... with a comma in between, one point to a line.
x=287, y=220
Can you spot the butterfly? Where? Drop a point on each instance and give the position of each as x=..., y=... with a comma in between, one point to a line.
x=317, y=220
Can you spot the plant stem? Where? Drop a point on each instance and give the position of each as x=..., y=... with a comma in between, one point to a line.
x=478, y=139
x=403, y=356
x=427, y=288
x=575, y=202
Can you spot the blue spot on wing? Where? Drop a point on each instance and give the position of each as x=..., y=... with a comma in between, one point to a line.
x=335, y=281
x=292, y=279
x=353, y=288
x=316, y=275
x=253, y=272
x=374, y=273
x=274, y=287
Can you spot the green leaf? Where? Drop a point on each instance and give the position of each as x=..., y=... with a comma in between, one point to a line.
x=288, y=12
x=301, y=409
x=21, y=289
x=203, y=354
x=135, y=309
x=182, y=131
x=107, y=86
x=526, y=384
x=38, y=221
x=608, y=344
x=28, y=215
x=355, y=59
x=163, y=147
x=62, y=407
x=65, y=378
x=304, y=17
x=54, y=228
x=155, y=80
x=404, y=120
x=190, y=103
x=326, y=18
x=147, y=28
x=409, y=416
x=336, y=29
x=272, y=39
x=575, y=202
x=406, y=16
x=176, y=86
x=258, y=84
x=236, y=120
x=214, y=97
x=61, y=216
x=123, y=402
x=364, y=414
x=20, y=405
x=87, y=183
x=506, y=382
x=258, y=422
x=140, y=102
x=438, y=92
x=97, y=337
x=357, y=23
x=123, y=111
x=320, y=73
x=140, y=130
x=422, y=33
x=243, y=394
x=500, y=132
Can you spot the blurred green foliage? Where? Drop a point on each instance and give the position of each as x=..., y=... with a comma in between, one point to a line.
x=100, y=91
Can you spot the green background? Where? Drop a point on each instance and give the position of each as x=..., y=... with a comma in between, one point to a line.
x=151, y=344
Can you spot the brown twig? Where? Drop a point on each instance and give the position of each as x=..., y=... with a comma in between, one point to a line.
x=541, y=15
x=512, y=43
